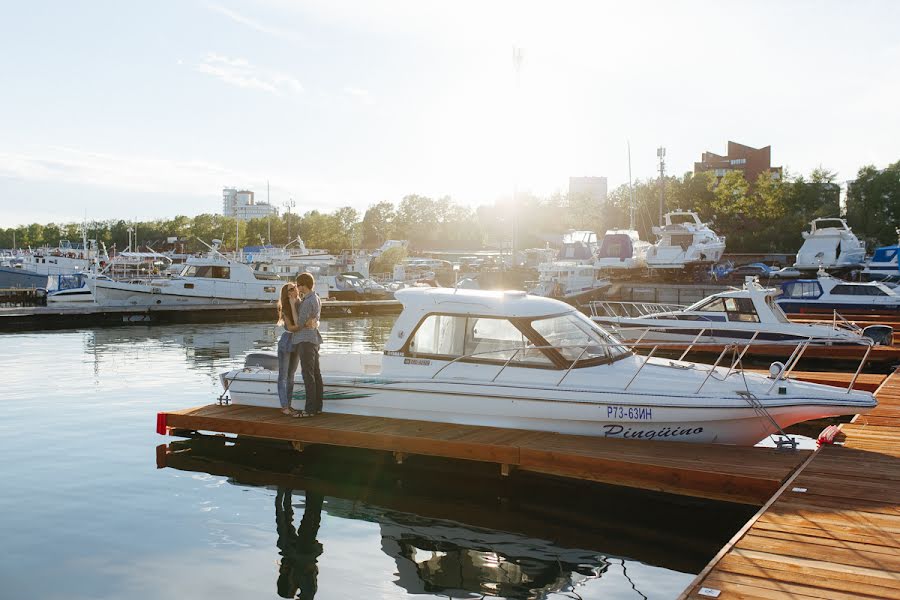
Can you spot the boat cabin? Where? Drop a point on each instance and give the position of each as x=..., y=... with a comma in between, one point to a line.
x=812, y=289
x=497, y=328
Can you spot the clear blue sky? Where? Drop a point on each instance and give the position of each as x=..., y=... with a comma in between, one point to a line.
x=144, y=110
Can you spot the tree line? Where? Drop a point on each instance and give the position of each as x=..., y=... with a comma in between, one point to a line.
x=766, y=215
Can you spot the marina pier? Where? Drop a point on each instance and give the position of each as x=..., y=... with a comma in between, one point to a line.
x=833, y=528
x=35, y=318
x=828, y=526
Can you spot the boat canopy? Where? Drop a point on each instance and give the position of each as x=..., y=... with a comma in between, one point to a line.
x=616, y=245
x=808, y=289
x=885, y=254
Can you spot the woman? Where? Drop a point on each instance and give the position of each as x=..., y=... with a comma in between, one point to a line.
x=288, y=354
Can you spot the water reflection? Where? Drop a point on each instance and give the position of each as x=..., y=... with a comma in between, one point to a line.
x=298, y=570
x=432, y=556
x=213, y=347
x=453, y=528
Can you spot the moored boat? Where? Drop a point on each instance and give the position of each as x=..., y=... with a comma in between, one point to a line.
x=826, y=294
x=507, y=359
x=831, y=244
x=209, y=279
x=685, y=243
x=734, y=316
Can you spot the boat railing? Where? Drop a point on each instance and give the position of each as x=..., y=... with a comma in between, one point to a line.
x=737, y=350
x=610, y=308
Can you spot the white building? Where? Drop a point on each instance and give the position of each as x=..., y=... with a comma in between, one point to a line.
x=591, y=187
x=242, y=205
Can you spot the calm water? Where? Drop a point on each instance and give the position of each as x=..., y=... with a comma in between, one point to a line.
x=85, y=512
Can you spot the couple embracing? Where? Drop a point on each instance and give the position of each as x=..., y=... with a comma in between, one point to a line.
x=299, y=310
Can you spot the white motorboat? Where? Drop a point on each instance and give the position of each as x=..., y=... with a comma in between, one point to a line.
x=831, y=244
x=210, y=279
x=76, y=288
x=883, y=264
x=734, y=316
x=570, y=281
x=508, y=359
x=574, y=276
x=685, y=242
x=35, y=268
x=622, y=249
x=828, y=294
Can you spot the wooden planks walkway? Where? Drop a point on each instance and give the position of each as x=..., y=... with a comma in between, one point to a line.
x=833, y=531
x=736, y=474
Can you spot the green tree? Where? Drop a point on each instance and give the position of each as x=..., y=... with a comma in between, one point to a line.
x=873, y=203
x=387, y=259
x=377, y=224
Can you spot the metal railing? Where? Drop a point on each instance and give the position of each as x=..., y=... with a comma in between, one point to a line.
x=613, y=350
x=610, y=308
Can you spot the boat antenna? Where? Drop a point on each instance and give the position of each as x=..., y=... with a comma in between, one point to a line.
x=630, y=190
x=211, y=249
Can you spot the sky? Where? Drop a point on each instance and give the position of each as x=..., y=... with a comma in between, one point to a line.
x=142, y=110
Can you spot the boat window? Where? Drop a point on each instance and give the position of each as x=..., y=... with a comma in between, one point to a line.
x=440, y=334
x=857, y=290
x=741, y=309
x=685, y=241
x=499, y=339
x=574, y=336
x=681, y=219
x=714, y=305
x=802, y=289
x=209, y=271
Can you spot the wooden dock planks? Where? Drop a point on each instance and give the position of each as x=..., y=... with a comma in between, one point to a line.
x=831, y=532
x=736, y=474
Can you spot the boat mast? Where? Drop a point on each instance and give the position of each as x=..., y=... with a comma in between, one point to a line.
x=630, y=191
x=661, y=154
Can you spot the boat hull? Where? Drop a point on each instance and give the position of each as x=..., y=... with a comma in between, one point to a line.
x=609, y=414
x=135, y=294
x=21, y=278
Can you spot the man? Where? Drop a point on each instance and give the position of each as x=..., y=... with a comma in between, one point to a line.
x=309, y=339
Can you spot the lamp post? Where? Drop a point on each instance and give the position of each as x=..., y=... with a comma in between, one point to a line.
x=661, y=154
x=289, y=205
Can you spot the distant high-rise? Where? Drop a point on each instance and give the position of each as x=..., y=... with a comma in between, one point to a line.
x=750, y=161
x=242, y=205
x=590, y=187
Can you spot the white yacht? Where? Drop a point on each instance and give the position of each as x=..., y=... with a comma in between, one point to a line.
x=734, y=316
x=622, y=250
x=570, y=281
x=33, y=268
x=210, y=279
x=828, y=294
x=685, y=242
x=507, y=359
x=574, y=275
x=831, y=244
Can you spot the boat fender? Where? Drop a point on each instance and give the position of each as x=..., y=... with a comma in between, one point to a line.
x=775, y=369
x=828, y=435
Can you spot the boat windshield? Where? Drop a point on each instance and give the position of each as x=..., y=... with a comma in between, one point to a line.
x=209, y=271
x=776, y=310
x=576, y=337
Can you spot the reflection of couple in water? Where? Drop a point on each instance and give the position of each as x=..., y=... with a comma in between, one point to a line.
x=298, y=572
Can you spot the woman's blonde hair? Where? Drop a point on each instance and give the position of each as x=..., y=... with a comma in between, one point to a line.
x=285, y=314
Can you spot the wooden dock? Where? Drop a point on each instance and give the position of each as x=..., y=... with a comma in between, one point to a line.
x=731, y=473
x=20, y=296
x=65, y=316
x=832, y=530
